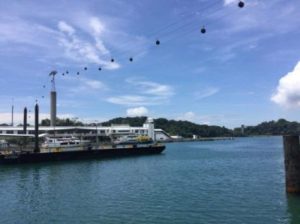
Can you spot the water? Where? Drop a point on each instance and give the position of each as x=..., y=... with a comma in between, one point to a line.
x=240, y=181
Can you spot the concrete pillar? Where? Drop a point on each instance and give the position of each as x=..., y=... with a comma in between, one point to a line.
x=36, y=129
x=292, y=163
x=53, y=108
x=25, y=121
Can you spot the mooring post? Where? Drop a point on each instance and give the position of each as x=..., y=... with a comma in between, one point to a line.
x=25, y=121
x=36, y=129
x=292, y=163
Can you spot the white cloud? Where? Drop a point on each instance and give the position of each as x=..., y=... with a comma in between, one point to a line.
x=206, y=92
x=64, y=27
x=152, y=88
x=96, y=25
x=137, y=111
x=152, y=93
x=129, y=100
x=84, y=51
x=288, y=89
x=228, y=2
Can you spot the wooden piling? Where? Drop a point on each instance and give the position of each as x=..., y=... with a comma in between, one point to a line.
x=292, y=163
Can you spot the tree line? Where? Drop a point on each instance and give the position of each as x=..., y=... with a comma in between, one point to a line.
x=188, y=129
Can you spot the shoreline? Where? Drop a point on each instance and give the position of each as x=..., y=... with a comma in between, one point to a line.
x=198, y=139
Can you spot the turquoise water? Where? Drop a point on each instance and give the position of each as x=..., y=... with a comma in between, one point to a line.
x=239, y=181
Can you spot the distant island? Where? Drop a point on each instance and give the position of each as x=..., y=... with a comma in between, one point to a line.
x=187, y=129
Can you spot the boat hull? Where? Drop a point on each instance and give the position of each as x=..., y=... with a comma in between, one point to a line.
x=79, y=155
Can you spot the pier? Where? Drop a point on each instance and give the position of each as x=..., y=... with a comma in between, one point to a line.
x=292, y=163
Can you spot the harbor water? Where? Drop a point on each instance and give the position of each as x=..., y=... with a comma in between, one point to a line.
x=232, y=181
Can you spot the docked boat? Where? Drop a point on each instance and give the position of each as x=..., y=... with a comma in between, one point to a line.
x=70, y=148
x=63, y=144
x=133, y=139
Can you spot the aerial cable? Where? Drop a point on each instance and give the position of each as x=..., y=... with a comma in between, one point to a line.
x=170, y=25
x=189, y=24
x=185, y=15
x=202, y=31
x=171, y=28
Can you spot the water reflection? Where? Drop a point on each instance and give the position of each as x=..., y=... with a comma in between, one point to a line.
x=294, y=208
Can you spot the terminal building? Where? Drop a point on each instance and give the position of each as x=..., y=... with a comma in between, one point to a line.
x=89, y=131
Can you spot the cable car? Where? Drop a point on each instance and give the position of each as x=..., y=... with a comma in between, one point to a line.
x=203, y=30
x=99, y=68
x=241, y=4
x=112, y=60
x=85, y=68
x=157, y=42
x=130, y=59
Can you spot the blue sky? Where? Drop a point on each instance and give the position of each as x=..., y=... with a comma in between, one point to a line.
x=243, y=70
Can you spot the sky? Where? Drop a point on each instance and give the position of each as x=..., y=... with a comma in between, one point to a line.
x=244, y=70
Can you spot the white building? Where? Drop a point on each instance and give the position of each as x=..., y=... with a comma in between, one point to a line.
x=147, y=129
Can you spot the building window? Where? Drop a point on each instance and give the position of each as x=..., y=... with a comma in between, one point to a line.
x=9, y=132
x=123, y=131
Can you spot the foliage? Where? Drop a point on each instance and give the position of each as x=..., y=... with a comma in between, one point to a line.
x=188, y=129
x=280, y=127
x=63, y=122
x=132, y=121
x=173, y=127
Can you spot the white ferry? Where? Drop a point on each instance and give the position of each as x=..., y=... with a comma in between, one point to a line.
x=63, y=144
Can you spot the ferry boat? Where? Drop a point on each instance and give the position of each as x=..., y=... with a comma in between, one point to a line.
x=71, y=148
x=63, y=144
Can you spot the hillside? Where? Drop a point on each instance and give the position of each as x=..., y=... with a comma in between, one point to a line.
x=280, y=127
x=173, y=127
